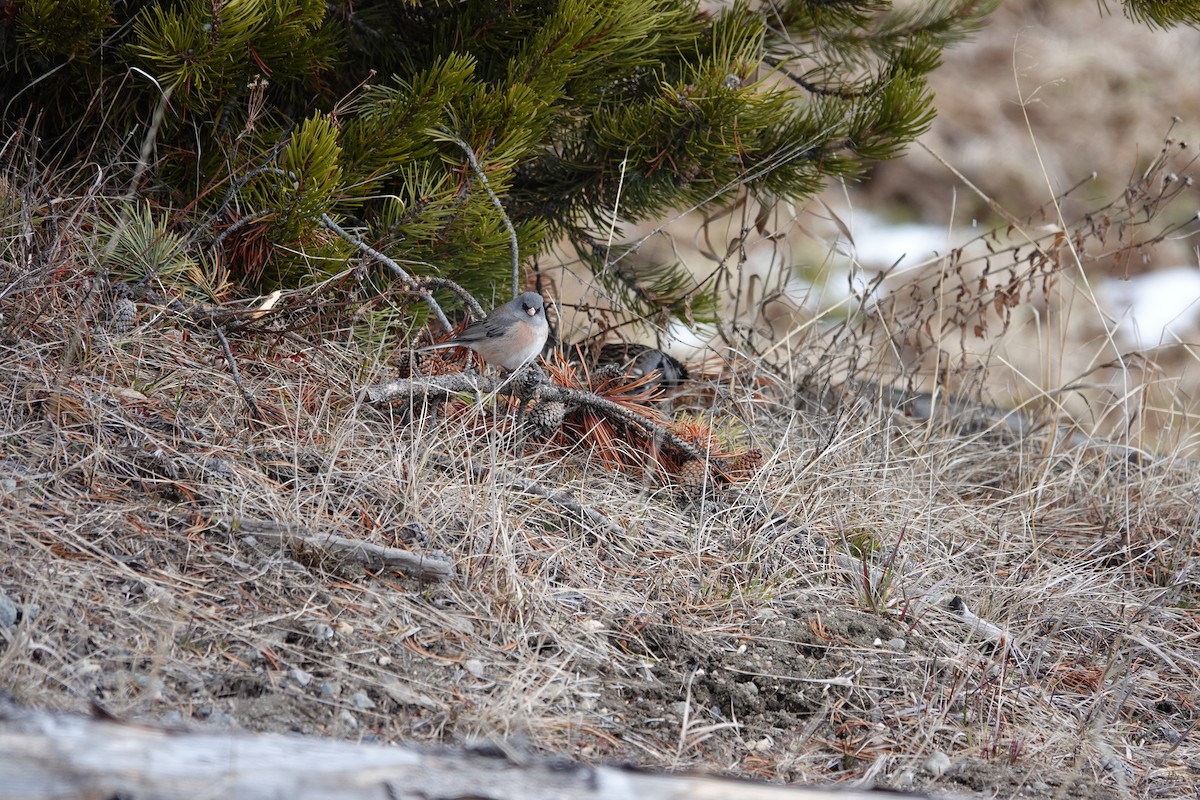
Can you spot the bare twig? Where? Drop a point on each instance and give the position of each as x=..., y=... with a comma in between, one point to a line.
x=237, y=375
x=512, y=232
x=435, y=566
x=399, y=271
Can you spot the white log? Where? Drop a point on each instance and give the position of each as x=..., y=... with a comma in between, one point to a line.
x=47, y=756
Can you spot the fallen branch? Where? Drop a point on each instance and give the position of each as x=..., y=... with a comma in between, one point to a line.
x=446, y=387
x=44, y=755
x=435, y=566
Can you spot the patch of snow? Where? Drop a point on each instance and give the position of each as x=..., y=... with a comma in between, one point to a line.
x=1153, y=308
x=880, y=245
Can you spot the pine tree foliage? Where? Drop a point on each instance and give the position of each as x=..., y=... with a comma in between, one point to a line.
x=62, y=28
x=265, y=116
x=1163, y=13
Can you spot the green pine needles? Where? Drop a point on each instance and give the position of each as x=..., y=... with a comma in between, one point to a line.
x=247, y=120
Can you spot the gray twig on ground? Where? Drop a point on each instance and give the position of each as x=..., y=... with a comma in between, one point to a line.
x=434, y=566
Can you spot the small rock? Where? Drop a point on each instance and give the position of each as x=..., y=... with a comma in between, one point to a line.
x=84, y=668
x=300, y=676
x=320, y=631
x=936, y=764
x=475, y=667
x=151, y=685
x=8, y=612
x=360, y=701
x=896, y=644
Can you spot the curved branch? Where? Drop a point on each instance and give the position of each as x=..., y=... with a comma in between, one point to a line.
x=445, y=387
x=512, y=232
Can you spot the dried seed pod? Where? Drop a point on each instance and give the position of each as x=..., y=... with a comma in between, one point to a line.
x=527, y=380
x=606, y=373
x=744, y=465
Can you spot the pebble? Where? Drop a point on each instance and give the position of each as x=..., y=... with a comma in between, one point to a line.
x=937, y=764
x=8, y=612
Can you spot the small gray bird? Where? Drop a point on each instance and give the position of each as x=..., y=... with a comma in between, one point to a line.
x=511, y=336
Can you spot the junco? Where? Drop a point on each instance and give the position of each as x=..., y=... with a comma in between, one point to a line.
x=511, y=336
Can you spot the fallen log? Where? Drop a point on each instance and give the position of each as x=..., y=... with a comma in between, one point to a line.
x=46, y=756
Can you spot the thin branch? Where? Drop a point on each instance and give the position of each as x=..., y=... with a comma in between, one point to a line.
x=434, y=566
x=512, y=232
x=237, y=375
x=445, y=283
x=399, y=271
x=446, y=387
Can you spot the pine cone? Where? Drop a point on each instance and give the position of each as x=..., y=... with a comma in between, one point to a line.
x=606, y=373
x=546, y=418
x=526, y=382
x=124, y=314
x=403, y=362
x=693, y=475
x=744, y=465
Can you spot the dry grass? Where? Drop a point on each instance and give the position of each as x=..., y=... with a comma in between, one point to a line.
x=800, y=628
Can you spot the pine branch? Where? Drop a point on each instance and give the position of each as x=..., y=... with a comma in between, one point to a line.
x=441, y=388
x=512, y=233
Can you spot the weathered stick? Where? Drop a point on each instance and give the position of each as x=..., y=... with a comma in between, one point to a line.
x=44, y=756
x=436, y=567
